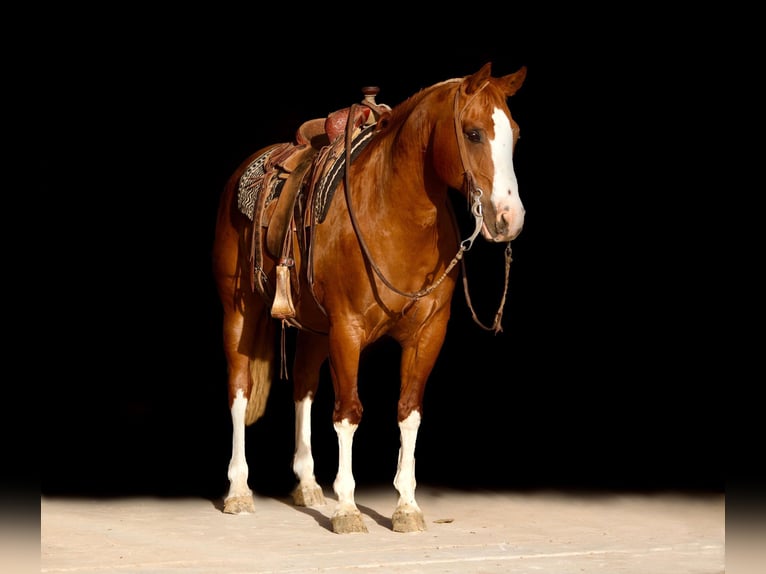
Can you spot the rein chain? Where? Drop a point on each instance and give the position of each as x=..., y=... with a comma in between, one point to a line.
x=465, y=245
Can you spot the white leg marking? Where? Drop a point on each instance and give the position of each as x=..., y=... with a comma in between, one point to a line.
x=344, y=481
x=405, y=471
x=303, y=461
x=505, y=187
x=238, y=471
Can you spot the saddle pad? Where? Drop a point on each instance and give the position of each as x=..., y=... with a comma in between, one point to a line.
x=251, y=182
x=334, y=169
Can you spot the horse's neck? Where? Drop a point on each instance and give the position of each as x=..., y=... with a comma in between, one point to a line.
x=398, y=192
x=393, y=179
x=408, y=182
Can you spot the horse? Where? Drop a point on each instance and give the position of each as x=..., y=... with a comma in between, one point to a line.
x=348, y=234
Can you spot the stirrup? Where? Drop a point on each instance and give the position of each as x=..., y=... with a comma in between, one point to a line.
x=282, y=307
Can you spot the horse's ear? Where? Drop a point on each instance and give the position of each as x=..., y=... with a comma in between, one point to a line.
x=475, y=81
x=512, y=82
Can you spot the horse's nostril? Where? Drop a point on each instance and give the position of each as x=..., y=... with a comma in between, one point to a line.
x=505, y=220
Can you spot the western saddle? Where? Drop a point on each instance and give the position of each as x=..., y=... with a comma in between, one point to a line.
x=283, y=185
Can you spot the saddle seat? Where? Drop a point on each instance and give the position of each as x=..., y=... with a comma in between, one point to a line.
x=313, y=133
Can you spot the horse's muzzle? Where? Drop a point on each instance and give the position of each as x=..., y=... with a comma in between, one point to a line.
x=506, y=227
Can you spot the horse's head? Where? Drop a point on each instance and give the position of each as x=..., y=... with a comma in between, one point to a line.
x=484, y=135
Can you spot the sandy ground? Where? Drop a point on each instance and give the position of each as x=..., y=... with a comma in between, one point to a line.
x=476, y=531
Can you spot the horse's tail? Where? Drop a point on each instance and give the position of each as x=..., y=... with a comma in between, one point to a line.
x=261, y=365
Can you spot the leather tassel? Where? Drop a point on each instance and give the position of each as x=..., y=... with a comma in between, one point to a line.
x=283, y=353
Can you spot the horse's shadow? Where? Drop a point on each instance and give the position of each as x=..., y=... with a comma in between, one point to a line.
x=316, y=512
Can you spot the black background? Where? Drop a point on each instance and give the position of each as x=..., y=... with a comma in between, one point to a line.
x=596, y=381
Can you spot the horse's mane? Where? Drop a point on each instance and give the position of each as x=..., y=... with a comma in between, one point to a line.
x=404, y=109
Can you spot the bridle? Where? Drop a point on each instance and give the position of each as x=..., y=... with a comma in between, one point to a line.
x=471, y=191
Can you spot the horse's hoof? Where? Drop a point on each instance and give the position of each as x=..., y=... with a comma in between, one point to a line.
x=239, y=505
x=408, y=520
x=308, y=495
x=347, y=523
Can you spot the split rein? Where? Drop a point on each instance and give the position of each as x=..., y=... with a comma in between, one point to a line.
x=465, y=245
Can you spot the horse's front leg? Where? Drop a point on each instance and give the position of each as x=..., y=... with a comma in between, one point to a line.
x=418, y=359
x=344, y=367
x=310, y=353
x=407, y=517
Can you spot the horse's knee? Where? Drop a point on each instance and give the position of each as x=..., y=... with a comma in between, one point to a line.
x=351, y=412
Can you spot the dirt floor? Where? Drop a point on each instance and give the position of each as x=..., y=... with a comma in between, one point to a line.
x=467, y=531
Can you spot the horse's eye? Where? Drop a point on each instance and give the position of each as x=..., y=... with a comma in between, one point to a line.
x=474, y=136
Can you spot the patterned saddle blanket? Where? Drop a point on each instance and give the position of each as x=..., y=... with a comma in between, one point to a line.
x=251, y=183
x=327, y=169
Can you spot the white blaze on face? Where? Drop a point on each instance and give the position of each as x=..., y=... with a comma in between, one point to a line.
x=505, y=188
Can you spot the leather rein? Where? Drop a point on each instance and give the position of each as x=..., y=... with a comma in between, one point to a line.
x=471, y=190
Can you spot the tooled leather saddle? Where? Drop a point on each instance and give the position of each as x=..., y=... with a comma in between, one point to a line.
x=289, y=187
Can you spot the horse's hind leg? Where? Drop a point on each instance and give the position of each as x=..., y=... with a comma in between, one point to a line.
x=239, y=499
x=248, y=337
x=310, y=353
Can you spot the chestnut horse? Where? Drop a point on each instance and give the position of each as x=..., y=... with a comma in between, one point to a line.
x=348, y=235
